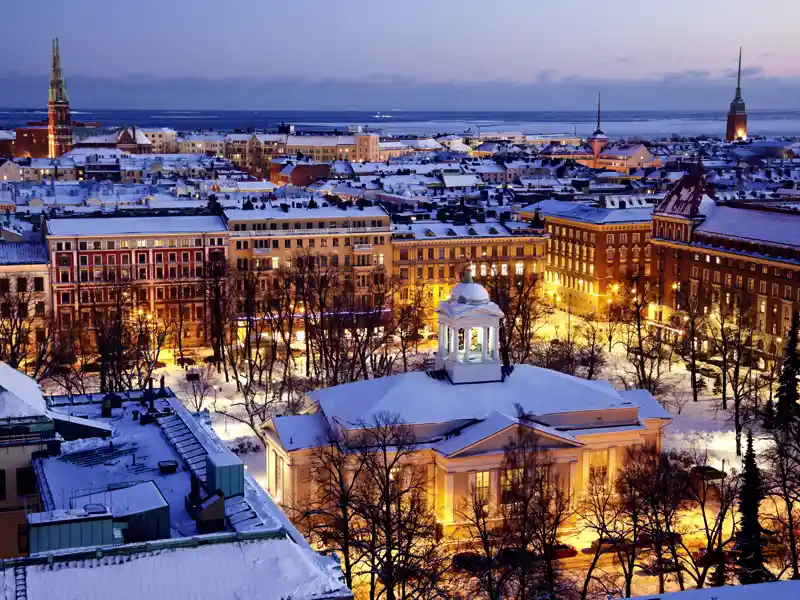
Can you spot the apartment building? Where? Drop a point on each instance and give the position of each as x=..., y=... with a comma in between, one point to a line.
x=163, y=140
x=160, y=262
x=431, y=256
x=25, y=430
x=592, y=249
x=211, y=144
x=357, y=241
x=727, y=255
x=24, y=297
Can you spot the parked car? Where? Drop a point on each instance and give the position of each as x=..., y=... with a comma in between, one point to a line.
x=661, y=567
x=185, y=361
x=703, y=558
x=667, y=538
x=608, y=543
x=467, y=562
x=516, y=558
x=564, y=551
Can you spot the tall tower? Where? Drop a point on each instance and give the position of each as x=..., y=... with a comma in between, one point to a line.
x=737, y=115
x=598, y=140
x=59, y=120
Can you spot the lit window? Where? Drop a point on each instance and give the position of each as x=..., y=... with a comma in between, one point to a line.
x=482, y=486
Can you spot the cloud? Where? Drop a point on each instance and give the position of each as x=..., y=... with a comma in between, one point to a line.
x=684, y=90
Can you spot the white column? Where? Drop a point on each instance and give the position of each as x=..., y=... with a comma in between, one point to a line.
x=453, y=343
x=467, y=341
x=485, y=342
x=448, y=497
x=496, y=344
x=442, y=343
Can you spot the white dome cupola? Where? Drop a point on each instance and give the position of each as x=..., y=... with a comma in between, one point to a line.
x=469, y=334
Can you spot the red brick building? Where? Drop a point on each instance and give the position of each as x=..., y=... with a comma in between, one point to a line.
x=297, y=174
x=746, y=257
x=593, y=249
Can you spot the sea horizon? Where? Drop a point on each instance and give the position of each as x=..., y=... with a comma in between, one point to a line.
x=615, y=123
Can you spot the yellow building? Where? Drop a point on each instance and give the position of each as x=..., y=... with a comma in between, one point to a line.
x=431, y=256
x=463, y=415
x=356, y=241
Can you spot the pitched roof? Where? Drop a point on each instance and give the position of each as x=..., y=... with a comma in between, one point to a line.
x=419, y=398
x=20, y=396
x=685, y=198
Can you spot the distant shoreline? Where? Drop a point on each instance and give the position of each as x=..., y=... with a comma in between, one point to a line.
x=616, y=124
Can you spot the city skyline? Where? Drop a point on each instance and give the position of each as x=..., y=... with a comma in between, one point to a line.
x=407, y=56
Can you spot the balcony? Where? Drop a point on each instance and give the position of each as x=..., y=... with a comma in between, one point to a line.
x=261, y=251
x=362, y=247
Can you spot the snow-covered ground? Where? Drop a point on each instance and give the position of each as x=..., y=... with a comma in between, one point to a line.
x=695, y=425
x=219, y=402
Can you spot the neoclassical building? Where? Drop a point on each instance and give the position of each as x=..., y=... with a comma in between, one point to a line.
x=464, y=412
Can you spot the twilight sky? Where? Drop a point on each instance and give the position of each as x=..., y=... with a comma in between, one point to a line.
x=403, y=54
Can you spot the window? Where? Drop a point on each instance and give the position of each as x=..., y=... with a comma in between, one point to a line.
x=38, y=284
x=598, y=466
x=510, y=478
x=2, y=484
x=26, y=481
x=482, y=486
x=519, y=268
x=610, y=238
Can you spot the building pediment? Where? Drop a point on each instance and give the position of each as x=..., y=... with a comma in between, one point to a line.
x=493, y=434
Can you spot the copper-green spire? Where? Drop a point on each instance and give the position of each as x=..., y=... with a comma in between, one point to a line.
x=58, y=88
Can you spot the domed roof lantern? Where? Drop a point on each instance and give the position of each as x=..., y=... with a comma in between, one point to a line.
x=469, y=292
x=469, y=341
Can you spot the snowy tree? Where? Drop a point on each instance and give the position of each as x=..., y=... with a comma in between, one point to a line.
x=750, y=539
x=786, y=411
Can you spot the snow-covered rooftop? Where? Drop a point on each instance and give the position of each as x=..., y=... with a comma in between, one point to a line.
x=592, y=214
x=138, y=225
x=753, y=225
x=423, y=399
x=207, y=568
x=23, y=253
x=20, y=396
x=778, y=590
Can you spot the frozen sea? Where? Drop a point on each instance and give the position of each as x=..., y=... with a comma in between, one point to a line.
x=616, y=124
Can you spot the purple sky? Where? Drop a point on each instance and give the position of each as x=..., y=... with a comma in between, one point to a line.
x=321, y=46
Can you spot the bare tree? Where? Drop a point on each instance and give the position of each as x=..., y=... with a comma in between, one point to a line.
x=591, y=346
x=198, y=387
x=22, y=313
x=711, y=494
x=646, y=351
x=332, y=515
x=737, y=338
x=525, y=313
x=402, y=557
x=692, y=323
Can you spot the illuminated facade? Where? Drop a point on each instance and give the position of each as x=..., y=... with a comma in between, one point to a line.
x=737, y=115
x=464, y=413
x=59, y=120
x=592, y=249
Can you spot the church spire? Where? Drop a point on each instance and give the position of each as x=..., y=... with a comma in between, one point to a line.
x=737, y=115
x=58, y=88
x=59, y=120
x=739, y=76
x=598, y=111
